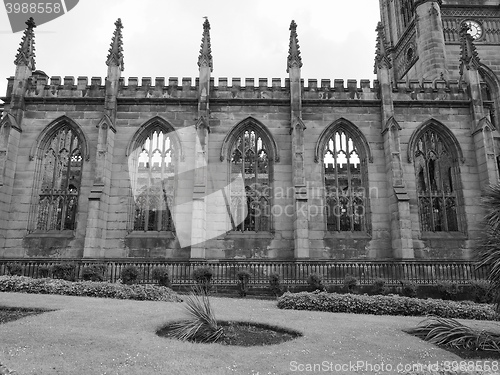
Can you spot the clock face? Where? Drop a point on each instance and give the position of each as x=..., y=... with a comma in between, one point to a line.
x=476, y=30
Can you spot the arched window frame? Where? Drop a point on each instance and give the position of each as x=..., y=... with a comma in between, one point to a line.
x=135, y=148
x=272, y=151
x=67, y=198
x=432, y=221
x=363, y=150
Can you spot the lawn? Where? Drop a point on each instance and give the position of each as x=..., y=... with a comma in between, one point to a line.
x=84, y=335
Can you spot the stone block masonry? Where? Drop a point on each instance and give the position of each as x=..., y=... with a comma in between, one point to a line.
x=204, y=168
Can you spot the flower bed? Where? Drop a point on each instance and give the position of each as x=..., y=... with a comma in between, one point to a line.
x=386, y=305
x=145, y=292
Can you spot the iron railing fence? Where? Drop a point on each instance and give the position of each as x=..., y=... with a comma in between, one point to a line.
x=291, y=272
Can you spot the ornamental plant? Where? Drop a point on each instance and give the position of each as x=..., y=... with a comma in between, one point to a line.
x=94, y=272
x=409, y=288
x=315, y=281
x=203, y=277
x=43, y=271
x=448, y=289
x=201, y=324
x=161, y=275
x=130, y=274
x=275, y=284
x=488, y=252
x=146, y=292
x=15, y=269
x=65, y=271
x=482, y=291
x=386, y=305
x=379, y=287
x=243, y=279
x=451, y=333
x=350, y=283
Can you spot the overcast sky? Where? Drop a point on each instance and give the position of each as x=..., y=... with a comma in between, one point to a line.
x=162, y=38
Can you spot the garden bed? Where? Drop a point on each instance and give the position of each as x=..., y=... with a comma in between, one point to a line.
x=9, y=314
x=246, y=334
x=386, y=305
x=142, y=292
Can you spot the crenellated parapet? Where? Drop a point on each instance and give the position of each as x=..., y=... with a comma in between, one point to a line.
x=247, y=88
x=430, y=90
x=341, y=90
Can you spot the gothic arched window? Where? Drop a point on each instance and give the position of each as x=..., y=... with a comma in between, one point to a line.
x=344, y=184
x=437, y=183
x=153, y=185
x=60, y=178
x=250, y=171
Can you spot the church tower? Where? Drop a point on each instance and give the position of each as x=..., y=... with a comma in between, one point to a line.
x=424, y=36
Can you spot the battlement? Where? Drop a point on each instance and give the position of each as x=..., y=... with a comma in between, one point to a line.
x=431, y=90
x=248, y=88
x=187, y=87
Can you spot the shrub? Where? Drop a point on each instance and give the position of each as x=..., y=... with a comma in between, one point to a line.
x=201, y=326
x=94, y=272
x=243, y=279
x=315, y=281
x=275, y=283
x=129, y=274
x=350, y=283
x=65, y=271
x=449, y=332
x=482, y=291
x=378, y=287
x=43, y=271
x=203, y=277
x=386, y=305
x=448, y=289
x=15, y=269
x=161, y=275
x=23, y=284
x=408, y=288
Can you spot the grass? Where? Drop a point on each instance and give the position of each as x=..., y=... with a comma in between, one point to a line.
x=83, y=335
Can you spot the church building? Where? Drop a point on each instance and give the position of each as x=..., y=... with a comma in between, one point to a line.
x=281, y=169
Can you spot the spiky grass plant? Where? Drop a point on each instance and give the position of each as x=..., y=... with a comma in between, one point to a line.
x=488, y=251
x=201, y=326
x=449, y=332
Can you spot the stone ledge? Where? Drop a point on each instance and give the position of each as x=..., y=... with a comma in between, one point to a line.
x=248, y=234
x=150, y=234
x=348, y=235
x=442, y=236
x=52, y=234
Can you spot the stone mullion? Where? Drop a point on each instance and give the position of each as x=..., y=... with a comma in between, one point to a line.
x=162, y=212
x=443, y=196
x=349, y=182
x=65, y=190
x=337, y=197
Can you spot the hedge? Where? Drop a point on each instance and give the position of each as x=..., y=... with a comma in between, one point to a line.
x=22, y=284
x=386, y=305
